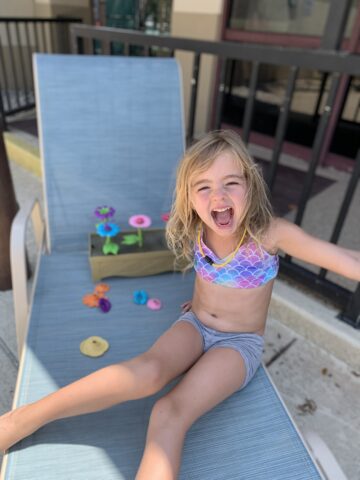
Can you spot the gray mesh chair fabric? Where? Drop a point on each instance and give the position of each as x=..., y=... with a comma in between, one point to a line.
x=250, y=435
x=116, y=131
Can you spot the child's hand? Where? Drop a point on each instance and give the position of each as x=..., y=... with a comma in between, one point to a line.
x=186, y=307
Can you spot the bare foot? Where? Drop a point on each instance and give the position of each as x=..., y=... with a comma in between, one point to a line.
x=14, y=427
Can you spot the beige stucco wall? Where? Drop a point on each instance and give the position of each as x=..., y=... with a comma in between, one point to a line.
x=53, y=8
x=202, y=20
x=46, y=8
x=17, y=8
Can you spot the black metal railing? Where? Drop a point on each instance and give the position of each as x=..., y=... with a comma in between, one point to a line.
x=95, y=40
x=19, y=39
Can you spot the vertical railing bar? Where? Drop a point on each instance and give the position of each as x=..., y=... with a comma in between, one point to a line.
x=52, y=37
x=126, y=49
x=37, y=49
x=3, y=123
x=73, y=45
x=91, y=45
x=193, y=97
x=324, y=78
x=320, y=133
x=88, y=45
x=67, y=38
x=281, y=126
x=105, y=47
x=43, y=37
x=26, y=90
x=351, y=314
x=2, y=111
x=74, y=41
x=80, y=45
x=29, y=49
x=13, y=67
x=232, y=69
x=347, y=80
x=220, y=97
x=227, y=76
x=249, y=106
x=6, y=84
x=345, y=205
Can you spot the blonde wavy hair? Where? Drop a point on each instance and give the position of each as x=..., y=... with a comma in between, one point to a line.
x=184, y=222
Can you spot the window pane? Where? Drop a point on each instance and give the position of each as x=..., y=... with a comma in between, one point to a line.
x=302, y=17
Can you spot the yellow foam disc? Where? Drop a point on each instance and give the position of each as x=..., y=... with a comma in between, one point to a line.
x=94, y=346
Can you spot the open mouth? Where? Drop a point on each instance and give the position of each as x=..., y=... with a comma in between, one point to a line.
x=222, y=216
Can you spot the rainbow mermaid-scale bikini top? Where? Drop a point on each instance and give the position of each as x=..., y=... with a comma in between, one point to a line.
x=250, y=267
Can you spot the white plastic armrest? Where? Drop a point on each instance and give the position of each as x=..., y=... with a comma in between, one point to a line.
x=18, y=263
x=324, y=457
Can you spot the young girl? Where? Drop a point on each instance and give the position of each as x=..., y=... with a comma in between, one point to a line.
x=221, y=223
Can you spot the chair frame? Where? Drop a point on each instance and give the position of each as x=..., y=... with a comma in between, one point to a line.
x=323, y=458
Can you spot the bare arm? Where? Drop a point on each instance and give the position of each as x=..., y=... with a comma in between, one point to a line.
x=296, y=242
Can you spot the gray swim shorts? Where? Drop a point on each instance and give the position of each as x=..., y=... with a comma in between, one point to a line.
x=249, y=345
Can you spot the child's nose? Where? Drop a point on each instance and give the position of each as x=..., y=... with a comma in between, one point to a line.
x=219, y=192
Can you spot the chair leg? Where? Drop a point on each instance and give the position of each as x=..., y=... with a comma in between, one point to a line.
x=324, y=457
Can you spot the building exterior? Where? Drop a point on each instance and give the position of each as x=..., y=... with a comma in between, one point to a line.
x=303, y=24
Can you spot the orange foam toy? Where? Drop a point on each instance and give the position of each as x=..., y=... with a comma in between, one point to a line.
x=91, y=300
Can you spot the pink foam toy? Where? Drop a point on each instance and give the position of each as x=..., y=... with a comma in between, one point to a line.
x=154, y=304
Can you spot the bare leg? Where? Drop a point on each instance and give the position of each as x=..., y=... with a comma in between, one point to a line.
x=172, y=354
x=218, y=374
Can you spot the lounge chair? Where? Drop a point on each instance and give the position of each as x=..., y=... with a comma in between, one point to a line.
x=111, y=132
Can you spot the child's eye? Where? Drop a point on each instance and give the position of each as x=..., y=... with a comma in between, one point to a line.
x=202, y=189
x=232, y=183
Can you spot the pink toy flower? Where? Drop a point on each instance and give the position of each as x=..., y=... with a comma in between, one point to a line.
x=165, y=216
x=140, y=221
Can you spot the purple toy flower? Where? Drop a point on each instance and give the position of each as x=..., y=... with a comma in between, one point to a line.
x=104, y=212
